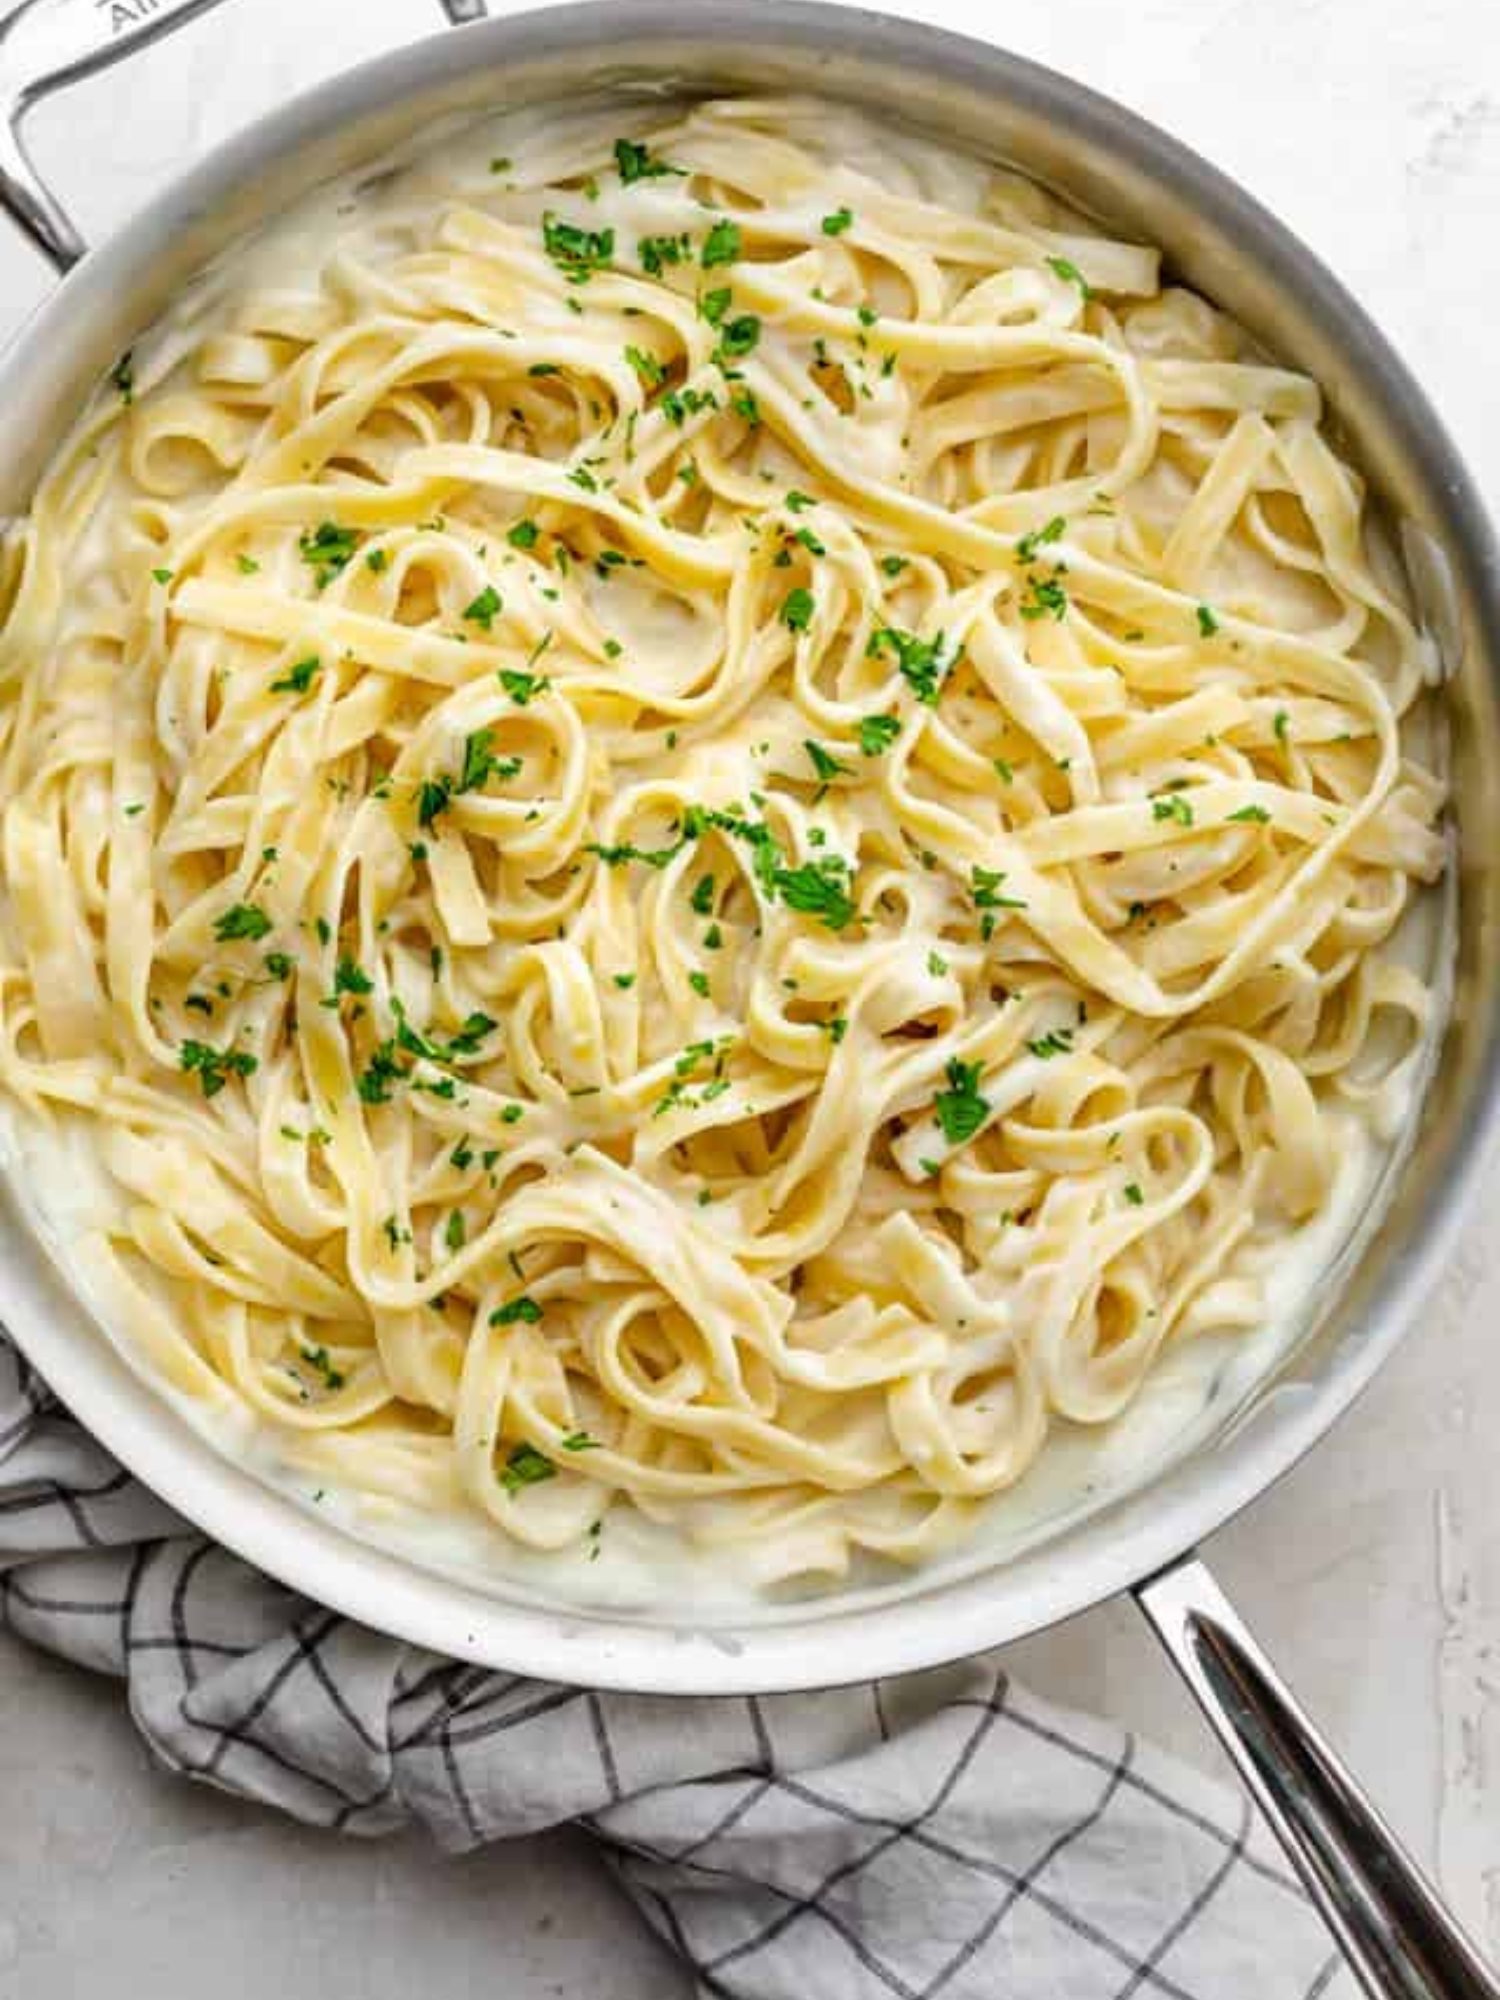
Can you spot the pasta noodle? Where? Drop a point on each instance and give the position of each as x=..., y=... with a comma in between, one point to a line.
x=704, y=819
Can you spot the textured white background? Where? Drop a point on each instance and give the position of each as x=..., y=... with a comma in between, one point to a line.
x=1373, y=1572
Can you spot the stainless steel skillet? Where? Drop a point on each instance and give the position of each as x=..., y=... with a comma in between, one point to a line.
x=1396, y=1934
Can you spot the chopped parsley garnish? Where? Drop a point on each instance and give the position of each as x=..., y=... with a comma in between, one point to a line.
x=713, y=305
x=297, y=679
x=524, y=1309
x=702, y=898
x=1028, y=545
x=214, y=1067
x=646, y=366
x=1068, y=271
x=350, y=977
x=328, y=550
x=960, y=1109
x=656, y=252
x=580, y=1441
x=280, y=964
x=893, y=565
x=637, y=164
x=1057, y=1042
x=937, y=965
x=162, y=575
x=699, y=983
x=825, y=765
x=455, y=1232
x=1208, y=624
x=479, y=763
x=245, y=920
x=1045, y=598
x=526, y=1466
x=122, y=376
x=1173, y=806
x=1249, y=815
x=485, y=607
x=984, y=886
x=924, y=663
x=838, y=222
x=621, y=852
x=1281, y=724
x=247, y=565
x=318, y=1358
x=737, y=338
x=721, y=245
x=378, y=561
x=433, y=795
x=877, y=733
x=576, y=252
x=522, y=686
x=818, y=889
x=798, y=503
x=679, y=404
x=624, y=980
x=382, y=1070
x=523, y=535
x=1133, y=1194
x=797, y=610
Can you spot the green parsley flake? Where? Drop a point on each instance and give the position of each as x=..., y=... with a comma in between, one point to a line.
x=1045, y=598
x=577, y=253
x=298, y=679
x=214, y=1067
x=877, y=733
x=923, y=663
x=960, y=1109
x=318, y=1358
x=818, y=889
x=1175, y=807
x=721, y=245
x=1250, y=815
x=646, y=365
x=328, y=550
x=1068, y=271
x=485, y=607
x=797, y=610
x=1208, y=624
x=523, y=1309
x=1028, y=545
x=636, y=163
x=245, y=920
x=826, y=766
x=838, y=222
x=522, y=686
x=523, y=535
x=526, y=1466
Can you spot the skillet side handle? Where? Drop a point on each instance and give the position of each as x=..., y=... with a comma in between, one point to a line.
x=47, y=44
x=1386, y=1916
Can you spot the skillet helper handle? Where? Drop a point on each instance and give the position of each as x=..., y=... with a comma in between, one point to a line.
x=46, y=45
x=1386, y=1916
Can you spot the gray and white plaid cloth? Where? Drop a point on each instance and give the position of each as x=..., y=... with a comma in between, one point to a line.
x=946, y=1834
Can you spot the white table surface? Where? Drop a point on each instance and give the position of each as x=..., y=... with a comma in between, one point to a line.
x=1372, y=1572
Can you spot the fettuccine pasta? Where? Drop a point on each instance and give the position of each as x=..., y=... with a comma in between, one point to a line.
x=704, y=817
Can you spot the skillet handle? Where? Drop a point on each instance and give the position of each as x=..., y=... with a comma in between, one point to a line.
x=1386, y=1916
x=48, y=44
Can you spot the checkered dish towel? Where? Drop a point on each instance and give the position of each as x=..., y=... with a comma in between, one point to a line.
x=946, y=1834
